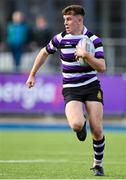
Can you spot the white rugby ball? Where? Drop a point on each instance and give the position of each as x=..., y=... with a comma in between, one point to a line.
x=89, y=48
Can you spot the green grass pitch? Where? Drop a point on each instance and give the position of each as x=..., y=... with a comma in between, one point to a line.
x=58, y=155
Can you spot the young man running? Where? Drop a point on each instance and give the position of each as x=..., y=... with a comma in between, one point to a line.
x=80, y=83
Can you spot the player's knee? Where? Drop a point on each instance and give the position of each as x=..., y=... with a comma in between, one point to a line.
x=97, y=132
x=76, y=126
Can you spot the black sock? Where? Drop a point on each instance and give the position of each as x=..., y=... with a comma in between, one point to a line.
x=98, y=147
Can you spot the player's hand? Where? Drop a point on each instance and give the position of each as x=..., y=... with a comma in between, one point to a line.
x=81, y=51
x=30, y=82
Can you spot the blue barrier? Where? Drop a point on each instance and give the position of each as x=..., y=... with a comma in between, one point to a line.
x=54, y=127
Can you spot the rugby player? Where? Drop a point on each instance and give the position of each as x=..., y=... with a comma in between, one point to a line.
x=80, y=83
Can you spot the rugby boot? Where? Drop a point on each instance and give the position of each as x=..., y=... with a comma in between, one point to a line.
x=81, y=135
x=98, y=170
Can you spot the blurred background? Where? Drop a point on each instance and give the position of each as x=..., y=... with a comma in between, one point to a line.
x=34, y=142
x=28, y=25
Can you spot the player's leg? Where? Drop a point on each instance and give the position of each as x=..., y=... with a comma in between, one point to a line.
x=75, y=116
x=95, y=115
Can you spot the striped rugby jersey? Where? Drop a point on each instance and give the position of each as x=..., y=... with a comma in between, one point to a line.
x=75, y=75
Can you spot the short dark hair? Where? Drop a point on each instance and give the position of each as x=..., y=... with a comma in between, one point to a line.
x=73, y=10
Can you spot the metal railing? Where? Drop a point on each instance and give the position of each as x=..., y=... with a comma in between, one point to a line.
x=115, y=50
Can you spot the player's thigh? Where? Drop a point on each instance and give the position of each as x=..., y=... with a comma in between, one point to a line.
x=74, y=113
x=95, y=113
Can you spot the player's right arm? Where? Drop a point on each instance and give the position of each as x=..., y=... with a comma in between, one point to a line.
x=51, y=48
x=40, y=59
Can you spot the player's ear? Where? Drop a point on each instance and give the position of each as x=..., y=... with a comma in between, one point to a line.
x=80, y=19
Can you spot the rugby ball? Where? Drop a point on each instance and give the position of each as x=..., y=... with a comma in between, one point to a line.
x=89, y=48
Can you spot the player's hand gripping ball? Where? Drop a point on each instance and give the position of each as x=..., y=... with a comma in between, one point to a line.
x=89, y=48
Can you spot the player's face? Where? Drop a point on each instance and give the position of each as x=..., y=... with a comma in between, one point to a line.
x=71, y=24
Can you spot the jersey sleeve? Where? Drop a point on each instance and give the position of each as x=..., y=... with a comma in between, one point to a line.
x=54, y=43
x=99, y=51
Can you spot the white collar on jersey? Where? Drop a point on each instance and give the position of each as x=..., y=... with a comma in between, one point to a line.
x=85, y=30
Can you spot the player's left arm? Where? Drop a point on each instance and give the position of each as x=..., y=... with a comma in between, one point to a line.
x=97, y=62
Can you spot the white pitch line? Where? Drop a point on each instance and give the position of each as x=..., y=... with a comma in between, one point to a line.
x=34, y=161
x=54, y=161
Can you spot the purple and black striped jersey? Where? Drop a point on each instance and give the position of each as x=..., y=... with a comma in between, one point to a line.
x=75, y=75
